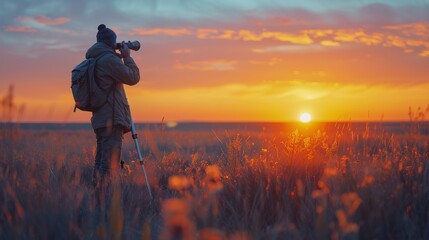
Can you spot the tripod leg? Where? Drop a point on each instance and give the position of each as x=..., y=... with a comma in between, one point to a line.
x=134, y=135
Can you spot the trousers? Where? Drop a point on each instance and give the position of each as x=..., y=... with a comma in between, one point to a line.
x=108, y=154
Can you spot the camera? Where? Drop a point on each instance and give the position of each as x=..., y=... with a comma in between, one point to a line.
x=134, y=45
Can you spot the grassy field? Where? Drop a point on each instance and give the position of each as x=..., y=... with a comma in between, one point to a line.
x=297, y=183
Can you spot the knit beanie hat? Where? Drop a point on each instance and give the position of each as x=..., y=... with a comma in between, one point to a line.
x=106, y=35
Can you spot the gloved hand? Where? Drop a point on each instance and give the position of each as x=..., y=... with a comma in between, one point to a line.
x=125, y=51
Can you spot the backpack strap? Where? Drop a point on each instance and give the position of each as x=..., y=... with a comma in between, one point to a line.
x=95, y=64
x=96, y=79
x=112, y=88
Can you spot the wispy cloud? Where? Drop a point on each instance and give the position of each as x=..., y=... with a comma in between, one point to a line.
x=31, y=24
x=215, y=65
x=271, y=61
x=424, y=53
x=248, y=35
x=25, y=29
x=411, y=35
x=414, y=28
x=160, y=31
x=43, y=20
x=329, y=43
x=288, y=48
x=182, y=51
x=358, y=36
x=204, y=33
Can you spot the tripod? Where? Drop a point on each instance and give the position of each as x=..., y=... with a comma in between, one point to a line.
x=134, y=135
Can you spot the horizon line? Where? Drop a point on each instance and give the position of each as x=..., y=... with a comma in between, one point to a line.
x=229, y=122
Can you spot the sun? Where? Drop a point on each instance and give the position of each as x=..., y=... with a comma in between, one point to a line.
x=305, y=117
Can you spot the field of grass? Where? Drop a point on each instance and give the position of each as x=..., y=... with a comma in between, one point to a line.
x=332, y=182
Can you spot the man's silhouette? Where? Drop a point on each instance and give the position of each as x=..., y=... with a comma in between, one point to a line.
x=112, y=120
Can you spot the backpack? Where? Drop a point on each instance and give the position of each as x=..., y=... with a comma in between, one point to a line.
x=87, y=94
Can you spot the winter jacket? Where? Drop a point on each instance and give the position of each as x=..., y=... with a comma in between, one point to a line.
x=111, y=75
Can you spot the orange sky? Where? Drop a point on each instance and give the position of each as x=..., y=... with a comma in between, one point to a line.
x=238, y=63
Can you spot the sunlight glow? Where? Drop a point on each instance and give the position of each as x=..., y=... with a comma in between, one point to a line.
x=305, y=117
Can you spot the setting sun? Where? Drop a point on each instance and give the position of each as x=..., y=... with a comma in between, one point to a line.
x=305, y=117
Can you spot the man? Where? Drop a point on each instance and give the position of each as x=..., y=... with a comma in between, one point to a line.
x=113, y=119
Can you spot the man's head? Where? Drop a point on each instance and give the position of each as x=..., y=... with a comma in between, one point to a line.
x=106, y=36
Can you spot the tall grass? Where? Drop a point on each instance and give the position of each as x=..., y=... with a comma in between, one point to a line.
x=340, y=184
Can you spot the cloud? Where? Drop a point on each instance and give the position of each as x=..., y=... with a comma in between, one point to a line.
x=411, y=35
x=329, y=43
x=43, y=20
x=161, y=31
x=271, y=61
x=281, y=89
x=424, y=53
x=26, y=29
x=289, y=48
x=281, y=36
x=318, y=33
x=182, y=51
x=358, y=36
x=395, y=41
x=204, y=33
x=215, y=65
x=417, y=43
x=420, y=29
x=248, y=35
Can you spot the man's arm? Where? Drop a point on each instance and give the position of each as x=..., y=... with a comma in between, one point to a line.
x=126, y=72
